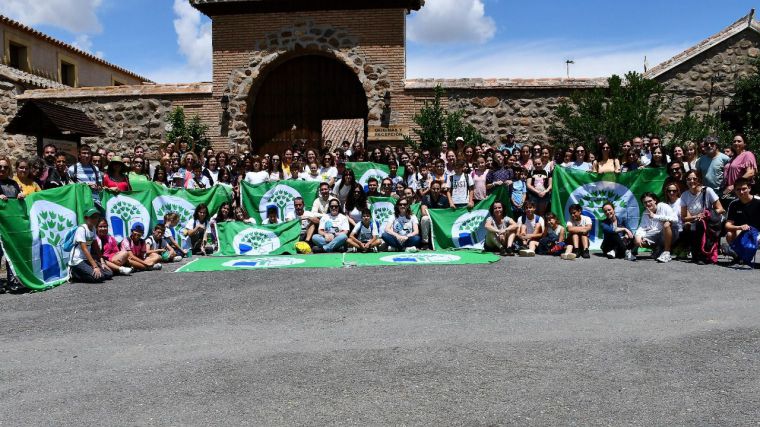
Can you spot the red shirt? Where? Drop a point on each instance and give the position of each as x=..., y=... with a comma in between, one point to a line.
x=121, y=185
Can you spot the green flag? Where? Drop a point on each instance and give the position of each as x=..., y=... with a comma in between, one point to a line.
x=382, y=209
x=592, y=190
x=366, y=170
x=460, y=228
x=148, y=206
x=241, y=238
x=256, y=198
x=33, y=231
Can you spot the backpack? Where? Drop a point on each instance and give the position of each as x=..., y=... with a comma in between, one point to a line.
x=746, y=245
x=68, y=240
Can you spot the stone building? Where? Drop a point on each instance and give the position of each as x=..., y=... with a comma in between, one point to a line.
x=282, y=68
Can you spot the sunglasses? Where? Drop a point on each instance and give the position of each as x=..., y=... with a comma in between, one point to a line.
x=676, y=170
x=691, y=179
x=334, y=207
x=580, y=151
x=672, y=191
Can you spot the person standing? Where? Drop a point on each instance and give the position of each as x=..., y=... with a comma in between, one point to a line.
x=712, y=164
x=87, y=173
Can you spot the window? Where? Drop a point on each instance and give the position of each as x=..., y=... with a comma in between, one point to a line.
x=68, y=74
x=18, y=56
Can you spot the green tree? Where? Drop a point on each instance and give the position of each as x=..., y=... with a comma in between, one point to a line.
x=695, y=128
x=192, y=132
x=743, y=113
x=625, y=108
x=436, y=125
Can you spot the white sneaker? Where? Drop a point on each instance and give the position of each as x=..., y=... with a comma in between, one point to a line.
x=411, y=249
x=177, y=258
x=125, y=271
x=157, y=266
x=570, y=256
x=392, y=249
x=629, y=255
x=527, y=253
x=611, y=254
x=351, y=250
x=664, y=257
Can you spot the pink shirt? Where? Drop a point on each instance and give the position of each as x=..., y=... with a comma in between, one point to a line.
x=737, y=166
x=137, y=249
x=110, y=248
x=479, y=184
x=121, y=185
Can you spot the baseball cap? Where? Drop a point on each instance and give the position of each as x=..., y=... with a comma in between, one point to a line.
x=91, y=212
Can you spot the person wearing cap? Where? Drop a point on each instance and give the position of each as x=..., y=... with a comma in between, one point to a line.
x=115, y=178
x=141, y=257
x=82, y=264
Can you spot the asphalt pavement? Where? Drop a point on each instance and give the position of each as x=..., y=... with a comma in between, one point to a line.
x=527, y=341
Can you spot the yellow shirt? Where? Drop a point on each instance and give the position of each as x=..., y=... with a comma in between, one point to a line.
x=27, y=189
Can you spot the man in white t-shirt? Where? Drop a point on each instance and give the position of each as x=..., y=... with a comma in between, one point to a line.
x=655, y=230
x=309, y=220
x=578, y=229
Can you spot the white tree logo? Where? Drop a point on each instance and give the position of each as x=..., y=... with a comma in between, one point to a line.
x=378, y=174
x=255, y=242
x=264, y=262
x=420, y=259
x=165, y=204
x=122, y=213
x=469, y=231
x=594, y=195
x=281, y=196
x=50, y=223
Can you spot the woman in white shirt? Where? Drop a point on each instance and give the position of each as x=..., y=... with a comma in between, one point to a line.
x=328, y=171
x=256, y=176
x=403, y=232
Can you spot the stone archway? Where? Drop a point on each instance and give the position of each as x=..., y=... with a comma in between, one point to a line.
x=303, y=38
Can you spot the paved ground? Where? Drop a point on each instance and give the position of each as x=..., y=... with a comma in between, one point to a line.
x=522, y=341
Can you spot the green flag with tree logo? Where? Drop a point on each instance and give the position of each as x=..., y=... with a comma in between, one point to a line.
x=593, y=190
x=242, y=238
x=461, y=228
x=366, y=170
x=256, y=198
x=34, y=229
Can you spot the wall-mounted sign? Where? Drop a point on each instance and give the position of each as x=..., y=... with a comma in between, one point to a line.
x=387, y=133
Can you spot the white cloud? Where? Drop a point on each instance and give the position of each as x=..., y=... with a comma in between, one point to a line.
x=76, y=16
x=537, y=59
x=194, y=41
x=83, y=42
x=451, y=21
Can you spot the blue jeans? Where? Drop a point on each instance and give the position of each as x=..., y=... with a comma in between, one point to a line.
x=338, y=242
x=391, y=240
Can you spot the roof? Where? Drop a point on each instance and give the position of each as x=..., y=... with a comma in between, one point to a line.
x=29, y=30
x=341, y=130
x=747, y=22
x=26, y=79
x=477, y=83
x=226, y=7
x=119, y=91
x=51, y=119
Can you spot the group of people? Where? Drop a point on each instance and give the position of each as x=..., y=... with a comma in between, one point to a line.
x=702, y=181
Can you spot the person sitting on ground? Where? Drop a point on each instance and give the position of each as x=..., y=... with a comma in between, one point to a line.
x=157, y=244
x=403, y=231
x=578, y=229
x=618, y=237
x=501, y=230
x=333, y=230
x=309, y=220
x=115, y=259
x=171, y=220
x=693, y=203
x=531, y=230
x=743, y=213
x=435, y=199
x=460, y=188
x=365, y=236
x=84, y=266
x=140, y=257
x=224, y=214
x=195, y=232
x=556, y=232
x=655, y=229
x=386, y=188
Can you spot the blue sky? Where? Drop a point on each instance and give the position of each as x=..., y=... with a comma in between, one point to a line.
x=168, y=41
